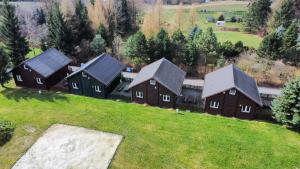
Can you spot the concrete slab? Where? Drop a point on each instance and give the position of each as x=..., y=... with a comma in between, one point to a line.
x=66, y=147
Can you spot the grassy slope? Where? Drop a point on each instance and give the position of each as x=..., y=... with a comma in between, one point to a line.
x=154, y=138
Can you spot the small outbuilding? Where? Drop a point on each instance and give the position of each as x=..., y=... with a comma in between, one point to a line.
x=97, y=78
x=158, y=84
x=230, y=92
x=42, y=71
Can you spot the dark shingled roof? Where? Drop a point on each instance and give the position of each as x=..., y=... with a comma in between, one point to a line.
x=230, y=77
x=48, y=62
x=103, y=68
x=163, y=71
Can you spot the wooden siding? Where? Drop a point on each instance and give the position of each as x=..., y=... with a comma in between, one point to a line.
x=29, y=77
x=86, y=86
x=153, y=95
x=230, y=105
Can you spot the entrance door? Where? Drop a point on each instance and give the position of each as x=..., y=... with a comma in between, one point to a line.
x=230, y=104
x=152, y=93
x=86, y=85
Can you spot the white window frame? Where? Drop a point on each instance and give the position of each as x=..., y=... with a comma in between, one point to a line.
x=245, y=109
x=25, y=67
x=19, y=78
x=83, y=74
x=97, y=89
x=74, y=86
x=152, y=82
x=232, y=91
x=166, y=98
x=139, y=94
x=214, y=104
x=38, y=80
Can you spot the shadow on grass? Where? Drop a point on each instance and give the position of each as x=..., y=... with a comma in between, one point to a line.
x=18, y=94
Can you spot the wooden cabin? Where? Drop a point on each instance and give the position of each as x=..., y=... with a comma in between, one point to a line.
x=158, y=84
x=42, y=71
x=97, y=78
x=230, y=92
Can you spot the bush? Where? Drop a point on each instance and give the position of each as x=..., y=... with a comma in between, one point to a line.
x=221, y=18
x=233, y=19
x=6, y=131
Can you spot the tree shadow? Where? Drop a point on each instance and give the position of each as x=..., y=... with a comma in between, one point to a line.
x=18, y=94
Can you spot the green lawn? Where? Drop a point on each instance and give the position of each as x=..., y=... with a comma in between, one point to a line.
x=34, y=52
x=153, y=137
x=248, y=39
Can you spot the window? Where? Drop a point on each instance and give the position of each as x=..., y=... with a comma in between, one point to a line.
x=74, y=85
x=139, y=94
x=97, y=89
x=83, y=74
x=152, y=82
x=19, y=78
x=232, y=91
x=38, y=80
x=246, y=109
x=166, y=98
x=25, y=67
x=214, y=104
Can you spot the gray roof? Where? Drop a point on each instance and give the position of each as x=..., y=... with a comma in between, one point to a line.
x=230, y=77
x=103, y=68
x=163, y=71
x=48, y=62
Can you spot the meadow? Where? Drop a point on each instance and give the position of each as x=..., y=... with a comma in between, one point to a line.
x=153, y=137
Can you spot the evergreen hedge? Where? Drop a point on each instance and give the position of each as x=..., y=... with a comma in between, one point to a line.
x=6, y=131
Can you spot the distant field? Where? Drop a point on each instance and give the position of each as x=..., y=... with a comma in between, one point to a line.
x=248, y=39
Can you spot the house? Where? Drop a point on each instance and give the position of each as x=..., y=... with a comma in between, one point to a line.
x=42, y=71
x=97, y=78
x=158, y=84
x=230, y=92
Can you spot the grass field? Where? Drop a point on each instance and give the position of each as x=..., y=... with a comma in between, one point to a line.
x=248, y=39
x=153, y=137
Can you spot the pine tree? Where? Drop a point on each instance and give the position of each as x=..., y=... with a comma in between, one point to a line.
x=122, y=16
x=284, y=15
x=15, y=44
x=98, y=45
x=270, y=46
x=178, y=46
x=39, y=16
x=4, y=76
x=59, y=34
x=257, y=15
x=136, y=48
x=286, y=107
x=84, y=27
x=191, y=55
x=163, y=45
x=290, y=36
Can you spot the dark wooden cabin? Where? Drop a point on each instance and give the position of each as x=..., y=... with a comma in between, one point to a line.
x=230, y=92
x=97, y=78
x=42, y=71
x=158, y=84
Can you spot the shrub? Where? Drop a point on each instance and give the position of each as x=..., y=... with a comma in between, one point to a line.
x=233, y=19
x=6, y=131
x=221, y=18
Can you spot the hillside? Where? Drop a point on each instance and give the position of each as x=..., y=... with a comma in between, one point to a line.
x=153, y=137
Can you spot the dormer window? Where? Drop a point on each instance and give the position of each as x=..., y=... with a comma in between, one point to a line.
x=232, y=91
x=152, y=82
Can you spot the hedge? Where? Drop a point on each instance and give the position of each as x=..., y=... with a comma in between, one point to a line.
x=6, y=131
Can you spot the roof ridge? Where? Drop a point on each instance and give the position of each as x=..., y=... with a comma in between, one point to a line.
x=85, y=66
x=38, y=55
x=159, y=67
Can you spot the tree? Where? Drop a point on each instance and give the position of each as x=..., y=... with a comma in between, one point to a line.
x=163, y=46
x=195, y=32
x=178, y=46
x=39, y=16
x=59, y=33
x=103, y=32
x=257, y=15
x=208, y=45
x=221, y=17
x=228, y=49
x=151, y=45
x=98, y=45
x=15, y=44
x=4, y=63
x=122, y=17
x=191, y=55
x=84, y=28
x=270, y=46
x=136, y=48
x=290, y=36
x=284, y=15
x=286, y=107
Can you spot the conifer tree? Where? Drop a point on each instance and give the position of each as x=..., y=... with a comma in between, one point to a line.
x=136, y=48
x=15, y=44
x=284, y=15
x=163, y=45
x=178, y=46
x=286, y=107
x=98, y=45
x=270, y=46
x=4, y=63
x=59, y=33
x=290, y=36
x=122, y=16
x=191, y=55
